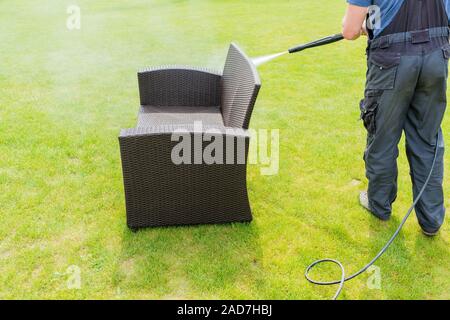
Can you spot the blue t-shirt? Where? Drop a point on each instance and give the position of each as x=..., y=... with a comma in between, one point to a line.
x=388, y=9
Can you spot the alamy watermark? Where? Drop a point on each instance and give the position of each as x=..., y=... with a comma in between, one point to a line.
x=374, y=281
x=73, y=21
x=72, y=276
x=374, y=18
x=227, y=146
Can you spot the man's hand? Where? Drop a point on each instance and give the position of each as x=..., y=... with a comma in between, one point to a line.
x=364, y=29
x=354, y=24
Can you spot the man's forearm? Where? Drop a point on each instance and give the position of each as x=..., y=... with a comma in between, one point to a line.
x=353, y=23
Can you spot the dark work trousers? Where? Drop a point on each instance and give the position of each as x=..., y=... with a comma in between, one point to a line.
x=406, y=91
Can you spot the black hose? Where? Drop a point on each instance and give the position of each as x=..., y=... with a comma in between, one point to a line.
x=382, y=251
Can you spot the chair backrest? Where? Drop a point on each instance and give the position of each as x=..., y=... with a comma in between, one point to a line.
x=240, y=87
x=179, y=86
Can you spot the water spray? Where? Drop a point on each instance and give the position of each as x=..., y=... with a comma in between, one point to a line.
x=321, y=42
x=344, y=277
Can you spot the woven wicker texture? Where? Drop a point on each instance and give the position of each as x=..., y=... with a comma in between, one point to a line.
x=240, y=87
x=150, y=116
x=160, y=193
x=157, y=191
x=179, y=86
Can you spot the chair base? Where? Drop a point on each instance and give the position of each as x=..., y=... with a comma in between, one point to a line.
x=154, y=226
x=144, y=221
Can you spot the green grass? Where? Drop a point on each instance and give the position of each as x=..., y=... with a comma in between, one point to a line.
x=65, y=95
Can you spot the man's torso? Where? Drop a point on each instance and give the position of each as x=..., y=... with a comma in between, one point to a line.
x=384, y=12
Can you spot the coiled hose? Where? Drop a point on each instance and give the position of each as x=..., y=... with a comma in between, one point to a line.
x=344, y=279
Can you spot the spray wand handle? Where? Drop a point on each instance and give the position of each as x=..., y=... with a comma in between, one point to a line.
x=318, y=43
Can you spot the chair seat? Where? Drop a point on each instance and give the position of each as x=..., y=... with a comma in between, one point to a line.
x=151, y=116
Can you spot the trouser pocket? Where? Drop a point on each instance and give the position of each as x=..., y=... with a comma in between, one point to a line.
x=382, y=70
x=369, y=108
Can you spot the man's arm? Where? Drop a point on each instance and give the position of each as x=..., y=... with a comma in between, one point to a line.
x=447, y=8
x=354, y=21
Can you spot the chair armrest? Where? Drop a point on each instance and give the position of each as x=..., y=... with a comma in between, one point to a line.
x=179, y=86
x=176, y=128
x=161, y=141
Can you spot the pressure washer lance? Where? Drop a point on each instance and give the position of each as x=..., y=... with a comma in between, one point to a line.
x=317, y=43
x=321, y=42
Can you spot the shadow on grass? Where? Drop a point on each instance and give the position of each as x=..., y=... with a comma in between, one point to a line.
x=190, y=262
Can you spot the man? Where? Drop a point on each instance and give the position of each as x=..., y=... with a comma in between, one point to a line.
x=406, y=87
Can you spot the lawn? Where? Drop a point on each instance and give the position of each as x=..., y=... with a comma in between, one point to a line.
x=65, y=95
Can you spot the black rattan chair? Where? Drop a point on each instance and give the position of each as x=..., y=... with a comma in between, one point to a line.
x=159, y=192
